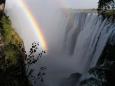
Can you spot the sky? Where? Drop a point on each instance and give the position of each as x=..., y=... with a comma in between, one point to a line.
x=79, y=4
x=67, y=3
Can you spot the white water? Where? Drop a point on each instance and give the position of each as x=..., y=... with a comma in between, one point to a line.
x=83, y=38
x=86, y=36
x=91, y=41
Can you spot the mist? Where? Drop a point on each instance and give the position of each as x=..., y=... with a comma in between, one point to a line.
x=48, y=14
x=52, y=18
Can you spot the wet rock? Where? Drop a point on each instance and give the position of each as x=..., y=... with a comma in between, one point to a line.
x=72, y=80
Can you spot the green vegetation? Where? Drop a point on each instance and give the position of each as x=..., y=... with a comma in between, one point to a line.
x=12, y=65
x=11, y=40
x=15, y=67
x=106, y=8
x=105, y=4
x=11, y=53
x=9, y=35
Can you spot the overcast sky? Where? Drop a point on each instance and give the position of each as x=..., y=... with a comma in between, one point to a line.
x=71, y=3
x=68, y=3
x=79, y=3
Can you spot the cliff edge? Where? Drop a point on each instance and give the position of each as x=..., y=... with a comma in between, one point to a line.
x=12, y=67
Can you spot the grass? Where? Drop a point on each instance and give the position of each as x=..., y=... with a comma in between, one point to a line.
x=11, y=40
x=9, y=35
x=11, y=53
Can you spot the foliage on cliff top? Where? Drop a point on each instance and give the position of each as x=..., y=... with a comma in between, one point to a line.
x=10, y=38
x=12, y=67
x=105, y=4
x=106, y=8
x=9, y=35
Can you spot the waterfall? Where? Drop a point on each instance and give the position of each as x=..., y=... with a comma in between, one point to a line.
x=86, y=38
x=74, y=26
x=83, y=37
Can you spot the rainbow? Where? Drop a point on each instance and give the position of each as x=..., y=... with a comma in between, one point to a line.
x=34, y=23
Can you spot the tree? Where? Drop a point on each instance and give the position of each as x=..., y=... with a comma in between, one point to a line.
x=106, y=8
x=31, y=59
x=105, y=4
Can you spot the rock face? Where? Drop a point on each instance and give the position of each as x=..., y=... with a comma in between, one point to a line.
x=12, y=66
x=2, y=1
x=2, y=6
x=72, y=80
x=103, y=74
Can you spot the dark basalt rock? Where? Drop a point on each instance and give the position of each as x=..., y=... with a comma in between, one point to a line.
x=109, y=55
x=2, y=7
x=103, y=74
x=2, y=1
x=72, y=80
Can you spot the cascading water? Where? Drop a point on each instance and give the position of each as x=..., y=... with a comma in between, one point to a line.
x=85, y=37
x=74, y=26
